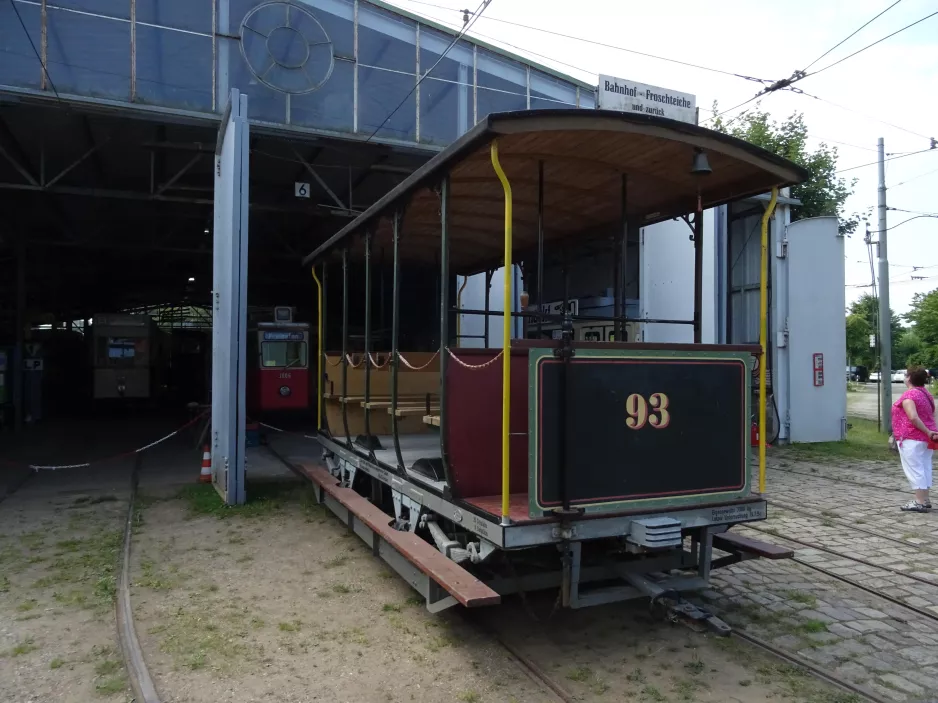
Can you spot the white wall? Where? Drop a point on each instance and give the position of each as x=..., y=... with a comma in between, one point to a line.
x=667, y=280
x=473, y=298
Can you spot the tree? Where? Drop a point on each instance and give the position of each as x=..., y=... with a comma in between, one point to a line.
x=859, y=352
x=863, y=314
x=822, y=194
x=924, y=319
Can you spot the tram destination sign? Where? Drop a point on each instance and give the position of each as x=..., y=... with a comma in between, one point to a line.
x=283, y=336
x=640, y=430
x=628, y=96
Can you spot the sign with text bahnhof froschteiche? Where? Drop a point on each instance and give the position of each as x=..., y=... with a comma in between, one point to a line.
x=628, y=96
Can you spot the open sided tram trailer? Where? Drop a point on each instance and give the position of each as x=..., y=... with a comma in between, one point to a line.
x=605, y=470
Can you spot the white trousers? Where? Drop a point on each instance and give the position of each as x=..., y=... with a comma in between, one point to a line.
x=916, y=462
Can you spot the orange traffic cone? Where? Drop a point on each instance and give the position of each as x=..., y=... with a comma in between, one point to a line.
x=206, y=475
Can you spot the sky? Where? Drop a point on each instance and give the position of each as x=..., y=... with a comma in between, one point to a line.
x=894, y=82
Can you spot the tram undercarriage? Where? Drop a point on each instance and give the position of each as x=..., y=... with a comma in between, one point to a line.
x=588, y=560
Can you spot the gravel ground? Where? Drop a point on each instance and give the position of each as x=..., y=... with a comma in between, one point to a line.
x=276, y=601
x=58, y=558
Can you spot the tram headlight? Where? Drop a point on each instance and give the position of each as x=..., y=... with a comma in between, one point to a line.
x=284, y=391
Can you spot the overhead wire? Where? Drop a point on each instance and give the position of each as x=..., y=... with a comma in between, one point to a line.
x=869, y=46
x=857, y=112
x=914, y=212
x=852, y=34
x=787, y=83
x=873, y=163
x=601, y=44
x=466, y=27
x=914, y=178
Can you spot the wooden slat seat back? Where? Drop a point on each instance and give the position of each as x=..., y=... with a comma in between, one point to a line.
x=413, y=386
x=474, y=423
x=458, y=582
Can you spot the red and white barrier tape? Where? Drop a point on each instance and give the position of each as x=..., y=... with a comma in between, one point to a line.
x=115, y=457
x=474, y=367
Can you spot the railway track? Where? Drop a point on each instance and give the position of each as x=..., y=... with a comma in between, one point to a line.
x=852, y=582
x=853, y=527
x=840, y=480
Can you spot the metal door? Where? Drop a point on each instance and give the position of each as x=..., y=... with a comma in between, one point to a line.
x=817, y=338
x=229, y=301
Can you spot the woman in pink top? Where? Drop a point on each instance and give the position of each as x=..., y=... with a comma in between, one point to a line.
x=913, y=427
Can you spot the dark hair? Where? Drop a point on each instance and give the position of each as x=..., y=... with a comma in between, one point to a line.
x=917, y=375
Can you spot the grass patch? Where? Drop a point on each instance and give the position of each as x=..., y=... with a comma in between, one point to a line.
x=195, y=641
x=25, y=647
x=813, y=626
x=341, y=588
x=864, y=441
x=263, y=499
x=652, y=693
x=581, y=674
x=107, y=667
x=335, y=562
x=110, y=685
x=636, y=676
x=290, y=626
x=56, y=663
x=802, y=597
x=695, y=667
x=27, y=605
x=391, y=608
x=469, y=697
x=88, y=567
x=150, y=579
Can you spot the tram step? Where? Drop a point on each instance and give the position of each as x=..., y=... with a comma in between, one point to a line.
x=459, y=583
x=729, y=542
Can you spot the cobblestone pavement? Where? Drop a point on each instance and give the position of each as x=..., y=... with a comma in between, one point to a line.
x=858, y=533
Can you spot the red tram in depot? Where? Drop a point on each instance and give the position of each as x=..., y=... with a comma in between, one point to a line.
x=602, y=470
x=278, y=369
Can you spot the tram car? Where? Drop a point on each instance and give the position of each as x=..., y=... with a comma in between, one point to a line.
x=278, y=368
x=130, y=355
x=604, y=470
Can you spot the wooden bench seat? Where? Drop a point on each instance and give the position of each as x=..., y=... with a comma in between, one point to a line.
x=378, y=398
x=414, y=410
x=433, y=420
x=459, y=583
x=730, y=542
x=410, y=402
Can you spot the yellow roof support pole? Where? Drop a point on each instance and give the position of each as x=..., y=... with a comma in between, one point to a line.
x=318, y=350
x=764, y=331
x=506, y=336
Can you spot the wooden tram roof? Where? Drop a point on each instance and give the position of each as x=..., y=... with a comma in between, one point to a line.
x=584, y=154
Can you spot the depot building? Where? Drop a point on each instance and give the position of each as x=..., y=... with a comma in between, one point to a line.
x=168, y=160
x=110, y=115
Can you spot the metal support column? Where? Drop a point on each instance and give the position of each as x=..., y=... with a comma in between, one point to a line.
x=444, y=318
x=395, y=333
x=367, y=441
x=19, y=397
x=698, y=274
x=325, y=336
x=540, y=246
x=619, y=258
x=348, y=438
x=488, y=292
x=885, y=315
